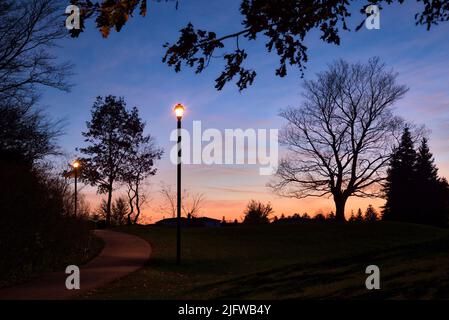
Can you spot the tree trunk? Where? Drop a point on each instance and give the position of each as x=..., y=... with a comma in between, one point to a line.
x=108, y=211
x=136, y=218
x=340, y=203
x=131, y=207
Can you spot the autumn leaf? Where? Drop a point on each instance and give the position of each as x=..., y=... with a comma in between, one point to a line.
x=105, y=31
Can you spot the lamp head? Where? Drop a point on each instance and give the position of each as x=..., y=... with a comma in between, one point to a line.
x=179, y=111
x=76, y=164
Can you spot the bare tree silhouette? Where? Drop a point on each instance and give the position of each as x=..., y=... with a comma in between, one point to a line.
x=192, y=203
x=28, y=30
x=340, y=139
x=168, y=196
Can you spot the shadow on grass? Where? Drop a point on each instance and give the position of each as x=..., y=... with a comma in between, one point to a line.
x=290, y=262
x=404, y=274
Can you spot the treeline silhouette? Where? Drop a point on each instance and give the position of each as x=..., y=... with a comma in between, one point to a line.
x=414, y=192
x=257, y=213
x=38, y=231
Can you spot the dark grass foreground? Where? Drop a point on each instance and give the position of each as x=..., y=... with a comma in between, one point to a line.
x=311, y=260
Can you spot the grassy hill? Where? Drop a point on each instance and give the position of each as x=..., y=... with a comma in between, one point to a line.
x=309, y=260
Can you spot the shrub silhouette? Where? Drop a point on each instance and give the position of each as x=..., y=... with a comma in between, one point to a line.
x=257, y=213
x=35, y=236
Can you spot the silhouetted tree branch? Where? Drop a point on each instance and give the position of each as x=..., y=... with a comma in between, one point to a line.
x=283, y=24
x=26, y=133
x=109, y=141
x=139, y=163
x=168, y=195
x=110, y=14
x=27, y=32
x=192, y=203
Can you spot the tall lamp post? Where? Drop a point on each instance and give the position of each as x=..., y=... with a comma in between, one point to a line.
x=179, y=111
x=75, y=166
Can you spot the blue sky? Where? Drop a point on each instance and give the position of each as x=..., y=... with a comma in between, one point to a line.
x=129, y=64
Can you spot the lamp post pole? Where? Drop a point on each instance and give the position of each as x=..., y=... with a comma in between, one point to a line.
x=76, y=190
x=179, y=111
x=75, y=166
x=178, y=224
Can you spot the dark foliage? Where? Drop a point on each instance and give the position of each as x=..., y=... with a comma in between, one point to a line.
x=295, y=218
x=37, y=232
x=359, y=215
x=35, y=236
x=109, y=14
x=117, y=151
x=108, y=142
x=119, y=211
x=26, y=133
x=371, y=214
x=399, y=187
x=257, y=213
x=139, y=164
x=305, y=218
x=432, y=192
x=283, y=24
x=413, y=190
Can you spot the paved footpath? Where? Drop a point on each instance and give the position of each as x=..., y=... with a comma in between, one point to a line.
x=122, y=254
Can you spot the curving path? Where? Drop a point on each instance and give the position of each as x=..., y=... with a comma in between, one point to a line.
x=122, y=254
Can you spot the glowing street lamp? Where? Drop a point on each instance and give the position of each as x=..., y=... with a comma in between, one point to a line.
x=179, y=112
x=75, y=166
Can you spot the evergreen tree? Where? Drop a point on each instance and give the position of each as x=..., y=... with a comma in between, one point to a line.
x=352, y=217
x=430, y=190
x=399, y=188
x=371, y=214
x=443, y=196
x=359, y=216
x=413, y=190
x=425, y=166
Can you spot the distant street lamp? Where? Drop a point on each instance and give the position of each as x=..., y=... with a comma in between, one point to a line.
x=75, y=166
x=179, y=111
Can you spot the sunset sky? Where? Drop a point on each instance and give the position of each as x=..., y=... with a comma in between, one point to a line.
x=129, y=64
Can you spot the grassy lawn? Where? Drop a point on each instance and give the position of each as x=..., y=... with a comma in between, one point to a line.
x=309, y=260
